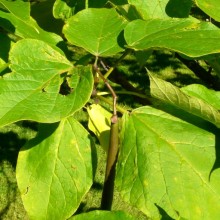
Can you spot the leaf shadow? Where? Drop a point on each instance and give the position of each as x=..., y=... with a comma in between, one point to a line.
x=9, y=147
x=216, y=165
x=164, y=215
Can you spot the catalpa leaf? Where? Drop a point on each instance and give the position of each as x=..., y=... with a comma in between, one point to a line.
x=107, y=215
x=36, y=90
x=25, y=26
x=185, y=36
x=54, y=170
x=162, y=161
x=171, y=94
x=210, y=7
x=96, y=30
x=162, y=8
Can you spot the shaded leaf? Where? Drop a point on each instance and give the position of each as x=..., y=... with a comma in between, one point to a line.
x=54, y=170
x=162, y=161
x=210, y=7
x=34, y=89
x=99, y=123
x=100, y=215
x=174, y=34
x=171, y=94
x=64, y=9
x=96, y=30
x=25, y=26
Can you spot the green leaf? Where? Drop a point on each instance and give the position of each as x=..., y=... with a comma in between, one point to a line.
x=210, y=96
x=54, y=170
x=65, y=9
x=100, y=215
x=210, y=7
x=174, y=34
x=150, y=9
x=165, y=163
x=99, y=123
x=36, y=88
x=25, y=26
x=162, y=8
x=96, y=30
x=171, y=94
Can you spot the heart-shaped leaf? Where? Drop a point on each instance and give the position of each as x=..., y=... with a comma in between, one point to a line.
x=54, y=170
x=37, y=89
x=96, y=30
x=166, y=164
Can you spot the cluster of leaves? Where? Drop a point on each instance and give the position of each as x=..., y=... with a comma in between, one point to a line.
x=168, y=158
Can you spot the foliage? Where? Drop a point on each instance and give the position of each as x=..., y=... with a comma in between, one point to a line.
x=168, y=160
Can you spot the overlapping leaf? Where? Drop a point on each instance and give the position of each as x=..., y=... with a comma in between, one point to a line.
x=98, y=215
x=165, y=164
x=210, y=7
x=18, y=13
x=185, y=36
x=54, y=170
x=169, y=93
x=209, y=96
x=34, y=89
x=162, y=8
x=96, y=30
x=99, y=123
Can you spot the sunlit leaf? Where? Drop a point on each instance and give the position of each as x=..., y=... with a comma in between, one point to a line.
x=162, y=8
x=54, y=170
x=165, y=166
x=171, y=94
x=210, y=7
x=36, y=88
x=185, y=36
x=99, y=124
x=25, y=26
x=96, y=30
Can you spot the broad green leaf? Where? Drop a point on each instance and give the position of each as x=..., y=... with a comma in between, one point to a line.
x=210, y=7
x=25, y=26
x=99, y=123
x=100, y=215
x=210, y=96
x=96, y=30
x=162, y=8
x=171, y=94
x=166, y=163
x=54, y=170
x=36, y=89
x=174, y=34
